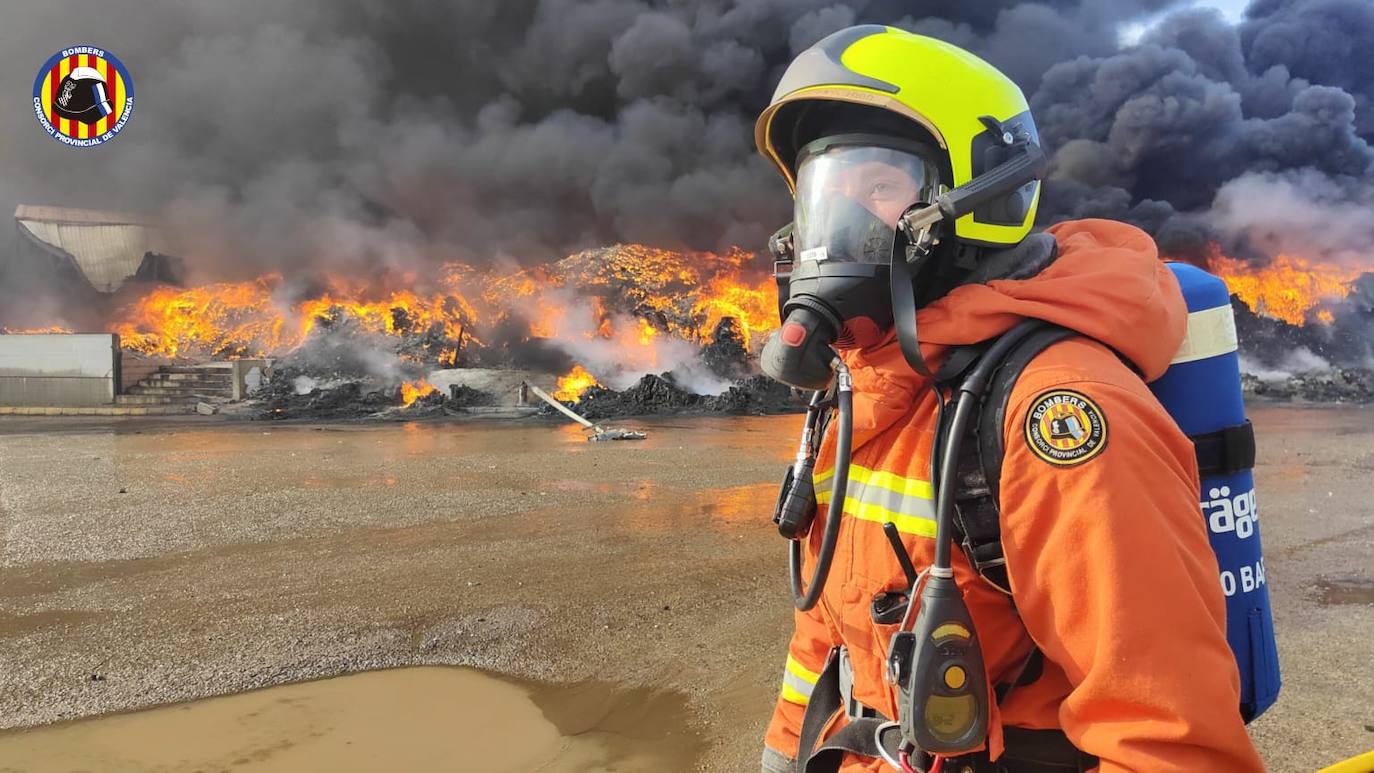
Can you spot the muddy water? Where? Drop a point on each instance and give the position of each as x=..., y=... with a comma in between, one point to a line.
x=422, y=719
x=1345, y=590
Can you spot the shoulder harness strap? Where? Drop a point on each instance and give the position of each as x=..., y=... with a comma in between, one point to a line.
x=977, y=512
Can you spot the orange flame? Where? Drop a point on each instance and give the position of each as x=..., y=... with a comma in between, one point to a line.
x=647, y=333
x=571, y=386
x=632, y=297
x=247, y=319
x=753, y=305
x=1288, y=288
x=414, y=390
x=222, y=319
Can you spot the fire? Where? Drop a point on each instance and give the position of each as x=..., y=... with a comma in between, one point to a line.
x=628, y=307
x=238, y=318
x=753, y=305
x=414, y=390
x=250, y=319
x=571, y=386
x=647, y=333
x=397, y=313
x=1288, y=288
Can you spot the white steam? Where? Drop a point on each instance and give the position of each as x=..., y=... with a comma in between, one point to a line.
x=1298, y=361
x=1299, y=212
x=626, y=350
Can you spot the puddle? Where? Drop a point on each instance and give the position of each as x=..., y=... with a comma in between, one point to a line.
x=426, y=718
x=1345, y=590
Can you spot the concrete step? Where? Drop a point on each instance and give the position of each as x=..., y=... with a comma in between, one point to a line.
x=175, y=387
x=190, y=400
x=181, y=384
x=214, y=368
x=217, y=378
x=99, y=410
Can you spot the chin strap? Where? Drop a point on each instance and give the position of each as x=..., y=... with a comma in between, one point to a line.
x=907, y=260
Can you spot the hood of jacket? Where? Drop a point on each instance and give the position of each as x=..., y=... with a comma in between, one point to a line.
x=1107, y=282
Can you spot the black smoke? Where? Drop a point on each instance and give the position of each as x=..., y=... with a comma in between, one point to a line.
x=1255, y=135
x=370, y=136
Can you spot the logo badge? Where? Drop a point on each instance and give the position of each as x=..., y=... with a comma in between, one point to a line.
x=1065, y=428
x=83, y=96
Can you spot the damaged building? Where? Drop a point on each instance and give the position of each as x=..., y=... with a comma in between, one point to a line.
x=73, y=265
x=86, y=256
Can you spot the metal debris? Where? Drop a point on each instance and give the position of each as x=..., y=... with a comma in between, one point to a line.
x=598, y=432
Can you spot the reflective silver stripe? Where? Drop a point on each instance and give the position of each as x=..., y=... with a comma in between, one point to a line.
x=798, y=682
x=801, y=686
x=879, y=497
x=892, y=501
x=1211, y=333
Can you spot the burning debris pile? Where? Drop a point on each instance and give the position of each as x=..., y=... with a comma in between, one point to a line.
x=726, y=356
x=608, y=317
x=1303, y=328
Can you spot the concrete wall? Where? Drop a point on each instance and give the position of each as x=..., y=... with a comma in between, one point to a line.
x=59, y=370
x=249, y=376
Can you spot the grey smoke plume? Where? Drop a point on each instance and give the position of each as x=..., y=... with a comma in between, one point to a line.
x=361, y=135
x=1204, y=128
x=373, y=136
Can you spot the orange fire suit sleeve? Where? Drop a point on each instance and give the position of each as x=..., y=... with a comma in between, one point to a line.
x=1113, y=575
x=811, y=643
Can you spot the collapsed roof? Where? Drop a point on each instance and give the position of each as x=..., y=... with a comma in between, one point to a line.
x=106, y=248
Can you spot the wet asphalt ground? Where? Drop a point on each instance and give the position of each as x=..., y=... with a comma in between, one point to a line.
x=144, y=563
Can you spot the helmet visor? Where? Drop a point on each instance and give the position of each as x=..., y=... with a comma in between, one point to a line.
x=851, y=192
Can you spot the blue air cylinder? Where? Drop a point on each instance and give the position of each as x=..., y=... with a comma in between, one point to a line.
x=1201, y=391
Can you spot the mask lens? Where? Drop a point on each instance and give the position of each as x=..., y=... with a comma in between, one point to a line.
x=849, y=197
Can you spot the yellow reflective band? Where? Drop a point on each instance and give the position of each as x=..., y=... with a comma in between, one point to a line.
x=910, y=487
x=798, y=682
x=918, y=525
x=884, y=497
x=792, y=696
x=797, y=669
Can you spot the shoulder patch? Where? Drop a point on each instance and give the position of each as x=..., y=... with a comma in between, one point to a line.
x=1065, y=428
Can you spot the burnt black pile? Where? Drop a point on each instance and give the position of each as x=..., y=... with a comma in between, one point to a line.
x=1341, y=385
x=464, y=396
x=727, y=357
x=282, y=398
x=661, y=394
x=291, y=393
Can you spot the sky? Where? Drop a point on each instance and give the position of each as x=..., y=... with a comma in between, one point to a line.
x=1231, y=9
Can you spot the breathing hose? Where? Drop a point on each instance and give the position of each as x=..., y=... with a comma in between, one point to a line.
x=969, y=395
x=943, y=639
x=806, y=597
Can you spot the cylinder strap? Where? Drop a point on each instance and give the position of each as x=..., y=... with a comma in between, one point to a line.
x=1226, y=451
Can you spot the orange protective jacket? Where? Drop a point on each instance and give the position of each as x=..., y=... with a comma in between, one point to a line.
x=1108, y=557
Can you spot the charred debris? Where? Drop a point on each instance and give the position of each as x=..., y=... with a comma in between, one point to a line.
x=328, y=381
x=1318, y=363
x=335, y=379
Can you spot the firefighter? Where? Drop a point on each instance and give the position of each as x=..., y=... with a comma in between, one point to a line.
x=1113, y=633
